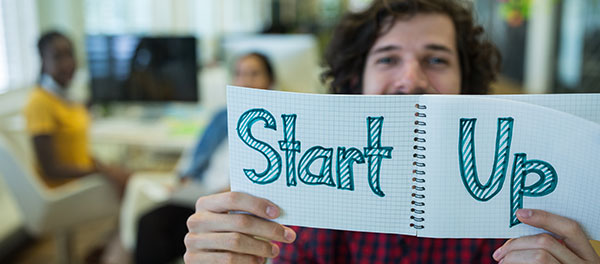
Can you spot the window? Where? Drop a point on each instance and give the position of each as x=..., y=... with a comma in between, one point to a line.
x=3, y=72
x=206, y=19
x=578, y=53
x=19, y=65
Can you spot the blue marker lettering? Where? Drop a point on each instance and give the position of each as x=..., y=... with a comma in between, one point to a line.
x=545, y=185
x=468, y=166
x=290, y=146
x=244, y=132
x=310, y=156
x=345, y=173
x=375, y=153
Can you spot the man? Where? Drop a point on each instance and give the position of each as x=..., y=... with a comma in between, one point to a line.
x=393, y=47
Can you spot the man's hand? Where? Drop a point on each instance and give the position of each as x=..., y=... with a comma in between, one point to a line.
x=569, y=245
x=217, y=236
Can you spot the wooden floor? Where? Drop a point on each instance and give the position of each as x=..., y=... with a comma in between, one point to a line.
x=86, y=239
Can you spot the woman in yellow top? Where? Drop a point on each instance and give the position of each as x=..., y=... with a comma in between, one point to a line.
x=58, y=126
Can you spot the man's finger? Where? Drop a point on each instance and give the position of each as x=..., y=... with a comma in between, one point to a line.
x=251, y=225
x=567, y=229
x=220, y=257
x=208, y=222
x=232, y=242
x=236, y=201
x=541, y=241
x=529, y=256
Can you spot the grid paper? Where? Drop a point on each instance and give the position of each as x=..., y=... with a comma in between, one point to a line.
x=333, y=121
x=569, y=143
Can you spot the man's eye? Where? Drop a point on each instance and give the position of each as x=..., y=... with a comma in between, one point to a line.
x=437, y=61
x=386, y=60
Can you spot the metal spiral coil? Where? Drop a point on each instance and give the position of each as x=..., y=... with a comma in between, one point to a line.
x=418, y=169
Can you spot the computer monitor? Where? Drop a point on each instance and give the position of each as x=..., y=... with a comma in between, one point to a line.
x=142, y=68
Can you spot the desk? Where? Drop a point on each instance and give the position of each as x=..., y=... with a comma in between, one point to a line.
x=148, y=144
x=159, y=135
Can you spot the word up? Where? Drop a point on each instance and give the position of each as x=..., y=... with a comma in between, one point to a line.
x=522, y=167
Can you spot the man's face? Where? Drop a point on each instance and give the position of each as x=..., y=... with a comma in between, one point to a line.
x=416, y=56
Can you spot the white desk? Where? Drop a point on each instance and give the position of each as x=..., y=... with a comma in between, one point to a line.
x=159, y=135
x=143, y=144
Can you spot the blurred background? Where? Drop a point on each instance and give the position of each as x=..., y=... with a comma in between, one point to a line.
x=548, y=46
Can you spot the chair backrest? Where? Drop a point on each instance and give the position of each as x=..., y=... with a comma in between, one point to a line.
x=24, y=187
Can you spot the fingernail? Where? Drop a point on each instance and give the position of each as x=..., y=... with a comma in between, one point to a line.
x=289, y=235
x=261, y=260
x=497, y=253
x=274, y=250
x=271, y=211
x=502, y=260
x=525, y=213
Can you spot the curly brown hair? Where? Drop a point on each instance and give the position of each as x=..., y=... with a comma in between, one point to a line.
x=357, y=32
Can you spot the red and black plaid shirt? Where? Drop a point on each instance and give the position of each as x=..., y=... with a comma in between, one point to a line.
x=332, y=246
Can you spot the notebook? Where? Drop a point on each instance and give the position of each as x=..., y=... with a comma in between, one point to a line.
x=443, y=166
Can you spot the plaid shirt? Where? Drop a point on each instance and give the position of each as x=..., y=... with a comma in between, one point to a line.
x=331, y=246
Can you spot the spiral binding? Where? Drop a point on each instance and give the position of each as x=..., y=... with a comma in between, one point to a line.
x=417, y=214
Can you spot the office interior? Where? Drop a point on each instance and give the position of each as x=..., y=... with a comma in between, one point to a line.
x=546, y=46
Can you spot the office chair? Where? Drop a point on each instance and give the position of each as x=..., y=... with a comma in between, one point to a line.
x=55, y=211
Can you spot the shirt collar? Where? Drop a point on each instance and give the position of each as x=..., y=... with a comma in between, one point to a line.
x=50, y=85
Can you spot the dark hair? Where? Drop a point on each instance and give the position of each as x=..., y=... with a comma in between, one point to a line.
x=357, y=32
x=265, y=61
x=46, y=39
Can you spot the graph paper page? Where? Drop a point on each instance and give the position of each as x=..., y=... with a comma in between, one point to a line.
x=567, y=143
x=586, y=106
x=331, y=122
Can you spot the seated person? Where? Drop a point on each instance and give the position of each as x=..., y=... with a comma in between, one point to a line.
x=161, y=231
x=58, y=126
x=392, y=47
x=251, y=70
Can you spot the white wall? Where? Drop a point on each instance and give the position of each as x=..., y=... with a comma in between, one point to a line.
x=66, y=16
x=540, y=47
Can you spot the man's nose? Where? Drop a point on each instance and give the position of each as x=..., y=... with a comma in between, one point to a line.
x=411, y=79
x=245, y=80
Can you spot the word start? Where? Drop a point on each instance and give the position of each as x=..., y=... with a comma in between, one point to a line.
x=373, y=154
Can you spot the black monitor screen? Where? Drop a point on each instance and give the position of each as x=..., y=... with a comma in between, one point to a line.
x=133, y=68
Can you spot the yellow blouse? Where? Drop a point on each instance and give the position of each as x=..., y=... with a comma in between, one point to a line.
x=67, y=123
